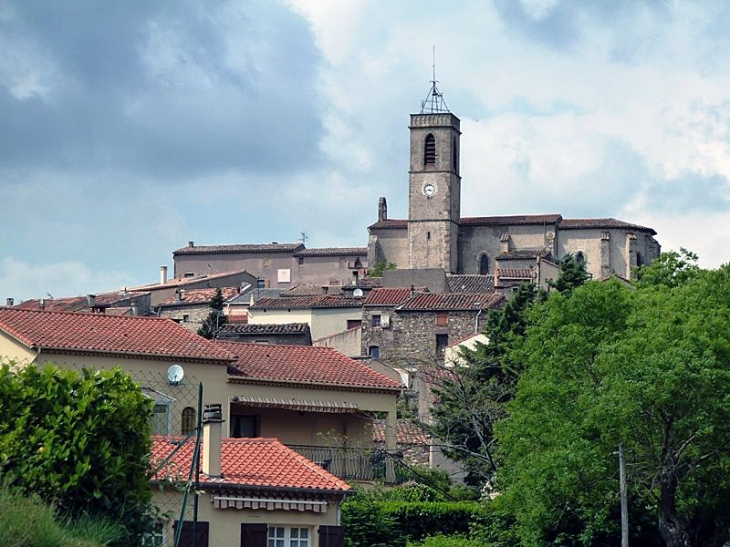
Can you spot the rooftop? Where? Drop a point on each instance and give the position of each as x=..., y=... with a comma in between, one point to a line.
x=248, y=462
x=302, y=365
x=108, y=334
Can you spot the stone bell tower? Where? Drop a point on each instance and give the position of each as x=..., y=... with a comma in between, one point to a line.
x=434, y=190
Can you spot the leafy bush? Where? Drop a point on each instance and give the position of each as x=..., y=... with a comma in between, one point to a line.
x=79, y=441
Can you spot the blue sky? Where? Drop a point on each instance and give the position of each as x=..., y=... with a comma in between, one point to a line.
x=128, y=129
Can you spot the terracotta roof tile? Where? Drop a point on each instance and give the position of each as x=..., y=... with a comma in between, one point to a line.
x=268, y=328
x=302, y=365
x=261, y=463
x=391, y=224
x=244, y=248
x=189, y=297
x=577, y=223
x=370, y=282
x=100, y=333
x=76, y=303
x=388, y=296
x=333, y=251
x=470, y=283
x=406, y=433
x=513, y=220
x=452, y=301
x=304, y=289
x=301, y=302
x=516, y=273
x=186, y=281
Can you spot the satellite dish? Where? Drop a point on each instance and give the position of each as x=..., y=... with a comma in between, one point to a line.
x=175, y=374
x=357, y=293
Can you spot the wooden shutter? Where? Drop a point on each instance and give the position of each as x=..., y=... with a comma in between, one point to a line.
x=253, y=535
x=186, y=538
x=331, y=536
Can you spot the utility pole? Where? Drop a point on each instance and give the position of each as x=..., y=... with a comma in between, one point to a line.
x=624, y=500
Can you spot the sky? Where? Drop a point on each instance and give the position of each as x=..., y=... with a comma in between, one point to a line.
x=129, y=128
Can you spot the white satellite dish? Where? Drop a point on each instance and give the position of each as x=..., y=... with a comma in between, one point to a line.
x=175, y=374
x=357, y=293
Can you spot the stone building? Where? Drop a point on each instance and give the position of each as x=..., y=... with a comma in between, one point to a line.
x=435, y=235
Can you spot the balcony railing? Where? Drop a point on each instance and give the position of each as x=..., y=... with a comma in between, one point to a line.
x=356, y=464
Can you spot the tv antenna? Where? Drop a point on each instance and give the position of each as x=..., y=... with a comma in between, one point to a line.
x=303, y=237
x=434, y=101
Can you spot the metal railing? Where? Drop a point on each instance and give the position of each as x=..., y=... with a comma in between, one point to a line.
x=359, y=464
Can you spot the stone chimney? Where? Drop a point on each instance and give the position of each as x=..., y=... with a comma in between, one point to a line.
x=163, y=275
x=91, y=300
x=212, y=436
x=382, y=209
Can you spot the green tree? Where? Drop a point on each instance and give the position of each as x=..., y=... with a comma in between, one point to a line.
x=573, y=274
x=79, y=441
x=216, y=318
x=380, y=267
x=647, y=368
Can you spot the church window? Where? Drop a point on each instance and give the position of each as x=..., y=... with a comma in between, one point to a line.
x=483, y=265
x=580, y=257
x=429, y=151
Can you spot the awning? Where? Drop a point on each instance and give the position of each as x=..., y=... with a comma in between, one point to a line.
x=268, y=504
x=303, y=405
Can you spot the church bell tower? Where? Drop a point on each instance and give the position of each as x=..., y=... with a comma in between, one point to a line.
x=434, y=195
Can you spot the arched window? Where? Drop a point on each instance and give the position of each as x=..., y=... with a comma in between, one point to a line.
x=429, y=150
x=483, y=265
x=580, y=257
x=188, y=420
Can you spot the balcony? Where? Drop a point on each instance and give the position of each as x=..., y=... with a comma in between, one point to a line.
x=353, y=464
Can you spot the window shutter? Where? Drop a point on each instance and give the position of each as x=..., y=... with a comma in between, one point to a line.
x=253, y=535
x=186, y=537
x=331, y=536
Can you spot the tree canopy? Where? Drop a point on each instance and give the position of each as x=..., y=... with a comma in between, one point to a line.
x=645, y=367
x=216, y=318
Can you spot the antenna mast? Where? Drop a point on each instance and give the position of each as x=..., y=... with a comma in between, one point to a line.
x=434, y=101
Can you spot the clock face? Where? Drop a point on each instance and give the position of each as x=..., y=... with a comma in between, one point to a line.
x=429, y=189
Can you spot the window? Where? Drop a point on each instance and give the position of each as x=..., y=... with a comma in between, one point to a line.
x=442, y=318
x=188, y=420
x=455, y=157
x=160, y=420
x=267, y=263
x=375, y=321
x=186, y=318
x=442, y=340
x=301, y=261
x=244, y=426
x=374, y=352
x=157, y=537
x=639, y=259
x=580, y=257
x=429, y=150
x=353, y=324
x=189, y=274
x=483, y=265
x=285, y=536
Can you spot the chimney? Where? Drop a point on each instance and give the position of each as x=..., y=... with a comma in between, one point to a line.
x=9, y=302
x=191, y=244
x=42, y=303
x=135, y=307
x=91, y=300
x=163, y=275
x=212, y=436
x=382, y=209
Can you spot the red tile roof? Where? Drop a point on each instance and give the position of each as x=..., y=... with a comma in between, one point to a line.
x=304, y=302
x=452, y=302
x=245, y=248
x=248, y=462
x=577, y=223
x=406, y=433
x=523, y=254
x=199, y=296
x=390, y=224
x=388, y=296
x=266, y=328
x=77, y=303
x=516, y=273
x=302, y=365
x=333, y=251
x=182, y=282
x=470, y=283
x=107, y=334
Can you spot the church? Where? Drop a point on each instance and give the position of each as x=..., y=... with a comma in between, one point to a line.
x=509, y=248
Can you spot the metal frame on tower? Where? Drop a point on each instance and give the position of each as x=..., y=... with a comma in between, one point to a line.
x=434, y=102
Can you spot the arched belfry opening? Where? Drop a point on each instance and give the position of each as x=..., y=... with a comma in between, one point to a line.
x=429, y=150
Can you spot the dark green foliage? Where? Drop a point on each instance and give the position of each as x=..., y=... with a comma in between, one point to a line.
x=471, y=400
x=216, y=318
x=380, y=267
x=393, y=523
x=572, y=274
x=79, y=441
x=670, y=269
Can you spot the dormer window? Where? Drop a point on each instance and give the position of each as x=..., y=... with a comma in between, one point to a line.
x=429, y=150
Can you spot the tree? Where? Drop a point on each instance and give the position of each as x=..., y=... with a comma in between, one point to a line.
x=380, y=267
x=647, y=368
x=572, y=274
x=216, y=318
x=79, y=441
